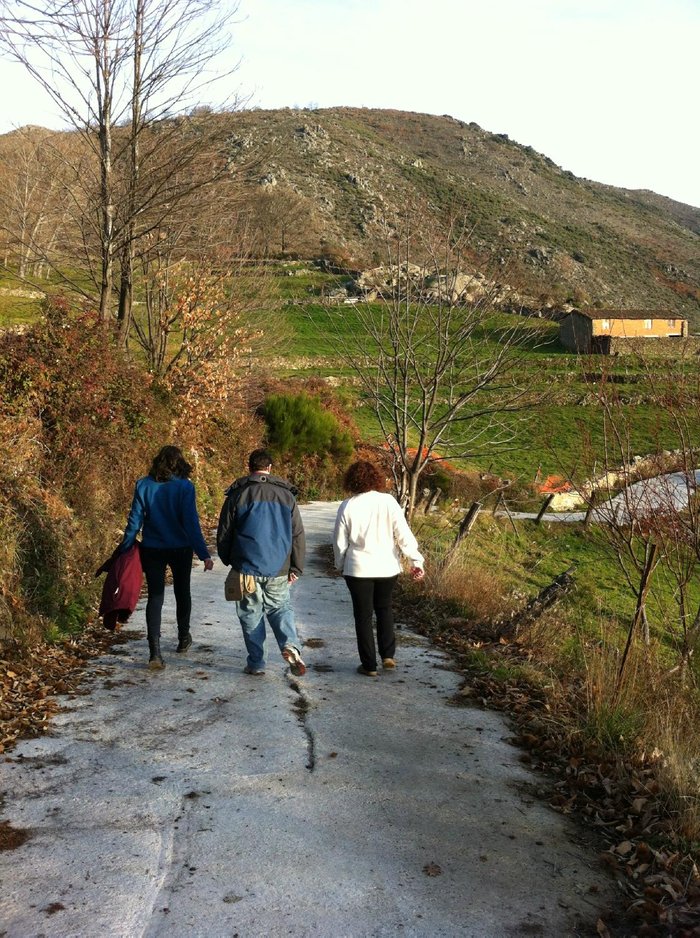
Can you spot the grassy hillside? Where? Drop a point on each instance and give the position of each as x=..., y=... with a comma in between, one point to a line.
x=559, y=436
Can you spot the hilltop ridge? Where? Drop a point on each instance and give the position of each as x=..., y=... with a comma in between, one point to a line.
x=559, y=237
x=331, y=182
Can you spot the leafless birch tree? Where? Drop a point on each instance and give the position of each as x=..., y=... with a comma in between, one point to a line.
x=32, y=199
x=115, y=68
x=439, y=365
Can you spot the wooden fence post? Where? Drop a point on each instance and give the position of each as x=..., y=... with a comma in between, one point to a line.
x=545, y=599
x=509, y=517
x=465, y=527
x=467, y=522
x=499, y=501
x=545, y=505
x=589, y=508
x=432, y=501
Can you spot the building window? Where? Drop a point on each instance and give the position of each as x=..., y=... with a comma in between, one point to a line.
x=647, y=323
x=671, y=323
x=605, y=324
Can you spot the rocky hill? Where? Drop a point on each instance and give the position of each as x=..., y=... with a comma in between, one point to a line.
x=332, y=182
x=338, y=174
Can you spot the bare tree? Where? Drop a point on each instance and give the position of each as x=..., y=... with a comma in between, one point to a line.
x=197, y=327
x=647, y=508
x=30, y=210
x=439, y=365
x=43, y=204
x=174, y=45
x=114, y=68
x=279, y=214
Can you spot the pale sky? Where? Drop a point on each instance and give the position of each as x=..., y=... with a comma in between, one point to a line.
x=609, y=89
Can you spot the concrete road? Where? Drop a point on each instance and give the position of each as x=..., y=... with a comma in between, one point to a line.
x=200, y=801
x=668, y=494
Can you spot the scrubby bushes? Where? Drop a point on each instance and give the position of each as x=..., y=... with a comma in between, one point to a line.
x=79, y=422
x=75, y=418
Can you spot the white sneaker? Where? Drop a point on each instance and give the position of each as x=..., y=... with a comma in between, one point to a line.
x=293, y=659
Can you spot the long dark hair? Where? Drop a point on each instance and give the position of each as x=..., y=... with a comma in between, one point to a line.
x=169, y=462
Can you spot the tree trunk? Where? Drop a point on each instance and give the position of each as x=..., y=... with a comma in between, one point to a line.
x=126, y=292
x=107, y=216
x=412, y=494
x=126, y=284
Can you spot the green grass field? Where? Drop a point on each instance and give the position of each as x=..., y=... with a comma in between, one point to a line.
x=563, y=434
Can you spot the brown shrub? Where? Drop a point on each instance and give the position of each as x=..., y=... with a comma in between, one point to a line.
x=77, y=425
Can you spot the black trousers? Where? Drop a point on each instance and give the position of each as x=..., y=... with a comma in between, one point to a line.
x=373, y=595
x=154, y=562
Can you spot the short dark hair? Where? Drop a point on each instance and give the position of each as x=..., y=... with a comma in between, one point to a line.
x=259, y=459
x=169, y=462
x=364, y=476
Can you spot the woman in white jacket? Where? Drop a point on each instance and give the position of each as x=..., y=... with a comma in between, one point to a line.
x=370, y=535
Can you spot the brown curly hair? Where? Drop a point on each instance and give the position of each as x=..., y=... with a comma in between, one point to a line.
x=363, y=476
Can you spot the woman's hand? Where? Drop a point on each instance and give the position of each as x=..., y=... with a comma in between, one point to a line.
x=208, y=564
x=417, y=573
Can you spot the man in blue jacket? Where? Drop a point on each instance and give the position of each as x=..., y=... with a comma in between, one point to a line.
x=261, y=533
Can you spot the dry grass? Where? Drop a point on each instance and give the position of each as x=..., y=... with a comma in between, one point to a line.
x=673, y=728
x=652, y=719
x=478, y=590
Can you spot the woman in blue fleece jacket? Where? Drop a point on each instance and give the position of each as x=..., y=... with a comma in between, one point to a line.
x=164, y=510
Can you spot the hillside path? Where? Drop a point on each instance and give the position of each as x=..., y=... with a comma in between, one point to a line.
x=199, y=801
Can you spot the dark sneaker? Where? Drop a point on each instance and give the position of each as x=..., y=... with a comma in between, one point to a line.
x=156, y=663
x=255, y=671
x=367, y=673
x=293, y=659
x=184, y=643
x=388, y=664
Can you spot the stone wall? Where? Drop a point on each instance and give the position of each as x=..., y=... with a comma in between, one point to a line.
x=661, y=347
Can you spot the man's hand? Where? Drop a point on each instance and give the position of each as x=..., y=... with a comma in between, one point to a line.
x=417, y=573
x=292, y=578
x=208, y=564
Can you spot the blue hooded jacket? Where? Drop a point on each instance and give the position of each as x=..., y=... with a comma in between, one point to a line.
x=166, y=513
x=260, y=527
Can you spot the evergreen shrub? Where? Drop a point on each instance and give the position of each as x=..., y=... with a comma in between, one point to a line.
x=298, y=426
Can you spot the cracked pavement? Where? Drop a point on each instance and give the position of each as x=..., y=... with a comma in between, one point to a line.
x=199, y=801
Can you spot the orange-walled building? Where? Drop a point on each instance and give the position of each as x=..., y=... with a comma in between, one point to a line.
x=592, y=331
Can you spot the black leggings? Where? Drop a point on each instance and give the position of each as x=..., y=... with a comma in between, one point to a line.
x=368, y=595
x=154, y=561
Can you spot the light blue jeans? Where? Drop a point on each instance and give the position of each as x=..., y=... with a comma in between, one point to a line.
x=271, y=598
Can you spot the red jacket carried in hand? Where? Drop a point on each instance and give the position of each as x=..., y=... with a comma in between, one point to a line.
x=122, y=587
